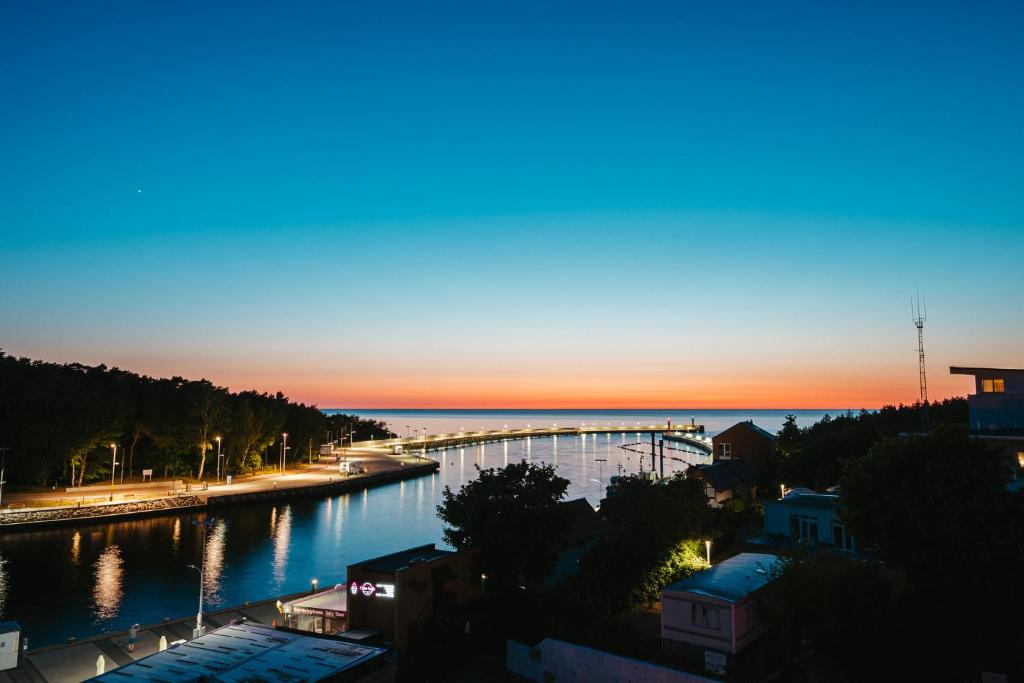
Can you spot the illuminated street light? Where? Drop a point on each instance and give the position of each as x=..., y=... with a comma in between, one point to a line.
x=707, y=544
x=113, y=469
x=217, y=439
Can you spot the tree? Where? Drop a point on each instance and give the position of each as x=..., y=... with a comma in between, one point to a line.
x=653, y=535
x=936, y=507
x=512, y=516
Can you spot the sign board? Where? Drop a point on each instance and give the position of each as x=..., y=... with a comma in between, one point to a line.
x=380, y=590
x=147, y=475
x=714, y=662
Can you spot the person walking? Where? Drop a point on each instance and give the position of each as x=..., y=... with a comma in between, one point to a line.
x=133, y=636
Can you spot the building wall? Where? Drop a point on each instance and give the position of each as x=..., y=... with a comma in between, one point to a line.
x=677, y=610
x=778, y=519
x=746, y=445
x=996, y=411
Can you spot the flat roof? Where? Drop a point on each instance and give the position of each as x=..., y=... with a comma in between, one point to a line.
x=730, y=580
x=335, y=599
x=248, y=652
x=961, y=370
x=820, y=501
x=389, y=564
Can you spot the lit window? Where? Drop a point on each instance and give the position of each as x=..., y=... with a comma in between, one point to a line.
x=1020, y=459
x=993, y=386
x=725, y=451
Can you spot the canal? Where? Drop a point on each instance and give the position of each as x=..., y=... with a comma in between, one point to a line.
x=82, y=581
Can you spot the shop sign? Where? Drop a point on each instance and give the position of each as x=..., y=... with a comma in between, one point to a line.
x=381, y=590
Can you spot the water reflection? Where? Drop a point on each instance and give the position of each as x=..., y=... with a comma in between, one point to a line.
x=76, y=549
x=282, y=540
x=108, y=589
x=215, y=543
x=4, y=586
x=176, y=535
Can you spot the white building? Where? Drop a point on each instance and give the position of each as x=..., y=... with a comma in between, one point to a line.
x=712, y=615
x=808, y=518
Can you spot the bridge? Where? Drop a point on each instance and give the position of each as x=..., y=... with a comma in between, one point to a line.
x=690, y=434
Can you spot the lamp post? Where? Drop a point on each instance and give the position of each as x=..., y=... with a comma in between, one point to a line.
x=707, y=544
x=113, y=469
x=284, y=447
x=3, y=468
x=217, y=439
x=200, y=630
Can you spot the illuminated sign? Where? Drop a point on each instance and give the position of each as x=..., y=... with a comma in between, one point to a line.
x=381, y=590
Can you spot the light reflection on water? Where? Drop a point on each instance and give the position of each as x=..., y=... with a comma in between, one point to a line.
x=108, y=590
x=136, y=571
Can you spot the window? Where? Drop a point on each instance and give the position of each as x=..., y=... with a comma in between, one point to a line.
x=705, y=616
x=1020, y=460
x=803, y=528
x=993, y=386
x=841, y=538
x=725, y=451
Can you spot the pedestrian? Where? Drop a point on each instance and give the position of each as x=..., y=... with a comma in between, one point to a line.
x=133, y=635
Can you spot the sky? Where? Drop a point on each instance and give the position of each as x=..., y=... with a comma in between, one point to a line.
x=483, y=204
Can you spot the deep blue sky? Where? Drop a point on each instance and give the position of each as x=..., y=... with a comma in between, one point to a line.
x=787, y=169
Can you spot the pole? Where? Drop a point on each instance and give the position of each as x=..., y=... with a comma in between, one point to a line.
x=113, y=470
x=3, y=469
x=661, y=454
x=218, y=459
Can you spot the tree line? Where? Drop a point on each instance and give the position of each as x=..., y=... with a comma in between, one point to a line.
x=59, y=420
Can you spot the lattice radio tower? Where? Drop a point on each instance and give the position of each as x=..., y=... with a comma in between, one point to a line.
x=919, y=314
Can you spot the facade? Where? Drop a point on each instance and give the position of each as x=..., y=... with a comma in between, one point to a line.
x=585, y=530
x=996, y=411
x=398, y=594
x=808, y=518
x=251, y=652
x=742, y=459
x=322, y=612
x=713, y=615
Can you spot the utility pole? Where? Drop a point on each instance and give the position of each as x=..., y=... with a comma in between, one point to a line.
x=113, y=470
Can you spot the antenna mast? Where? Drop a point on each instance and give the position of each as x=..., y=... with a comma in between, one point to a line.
x=919, y=315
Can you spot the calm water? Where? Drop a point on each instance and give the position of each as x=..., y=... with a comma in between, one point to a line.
x=65, y=582
x=444, y=421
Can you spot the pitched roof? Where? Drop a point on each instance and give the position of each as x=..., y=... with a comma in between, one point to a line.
x=748, y=424
x=820, y=501
x=586, y=523
x=719, y=475
x=730, y=580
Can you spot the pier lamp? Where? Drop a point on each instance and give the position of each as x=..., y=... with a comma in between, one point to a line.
x=217, y=439
x=313, y=583
x=113, y=468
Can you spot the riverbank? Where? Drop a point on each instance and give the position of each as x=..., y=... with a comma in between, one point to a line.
x=312, y=482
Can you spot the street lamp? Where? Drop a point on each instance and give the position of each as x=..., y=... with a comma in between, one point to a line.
x=284, y=447
x=707, y=544
x=3, y=468
x=217, y=439
x=113, y=469
x=200, y=630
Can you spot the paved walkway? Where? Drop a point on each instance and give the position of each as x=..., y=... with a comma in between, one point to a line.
x=74, y=662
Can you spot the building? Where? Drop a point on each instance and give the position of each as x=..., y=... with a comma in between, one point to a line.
x=586, y=528
x=711, y=616
x=726, y=479
x=996, y=411
x=748, y=443
x=399, y=594
x=808, y=518
x=251, y=652
x=325, y=611
x=743, y=456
